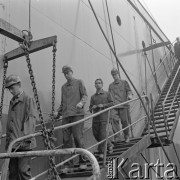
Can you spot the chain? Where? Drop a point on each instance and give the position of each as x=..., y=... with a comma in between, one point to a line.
x=45, y=133
x=53, y=83
x=3, y=85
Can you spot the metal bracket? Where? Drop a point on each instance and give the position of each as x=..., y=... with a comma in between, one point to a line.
x=34, y=46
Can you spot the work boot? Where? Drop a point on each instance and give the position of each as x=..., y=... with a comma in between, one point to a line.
x=82, y=162
x=66, y=170
x=110, y=149
x=101, y=156
x=83, y=166
x=127, y=139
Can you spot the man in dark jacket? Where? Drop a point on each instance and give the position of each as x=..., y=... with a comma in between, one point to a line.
x=73, y=99
x=99, y=101
x=21, y=121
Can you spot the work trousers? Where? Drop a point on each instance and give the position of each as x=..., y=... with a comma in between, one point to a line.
x=99, y=126
x=123, y=116
x=77, y=132
x=20, y=168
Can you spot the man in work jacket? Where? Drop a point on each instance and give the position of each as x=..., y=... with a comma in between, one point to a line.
x=99, y=101
x=121, y=92
x=73, y=99
x=21, y=121
x=177, y=49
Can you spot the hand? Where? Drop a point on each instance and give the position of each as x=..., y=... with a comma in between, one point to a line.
x=94, y=107
x=129, y=97
x=79, y=105
x=100, y=105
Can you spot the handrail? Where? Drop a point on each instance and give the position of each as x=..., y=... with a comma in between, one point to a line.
x=171, y=86
x=70, y=124
x=94, y=145
x=161, y=62
x=6, y=163
x=172, y=104
x=88, y=154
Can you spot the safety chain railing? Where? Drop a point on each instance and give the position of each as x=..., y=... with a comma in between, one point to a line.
x=62, y=127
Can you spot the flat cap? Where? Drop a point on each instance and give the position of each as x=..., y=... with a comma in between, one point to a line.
x=11, y=80
x=114, y=71
x=66, y=69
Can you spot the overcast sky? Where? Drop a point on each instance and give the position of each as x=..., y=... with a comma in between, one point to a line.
x=167, y=15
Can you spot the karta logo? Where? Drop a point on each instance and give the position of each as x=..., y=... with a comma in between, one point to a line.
x=141, y=171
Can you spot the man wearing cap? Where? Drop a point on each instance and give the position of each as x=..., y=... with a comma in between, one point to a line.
x=21, y=121
x=177, y=49
x=73, y=99
x=121, y=92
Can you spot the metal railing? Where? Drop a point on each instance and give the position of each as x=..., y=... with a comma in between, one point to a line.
x=84, y=152
x=6, y=163
x=165, y=99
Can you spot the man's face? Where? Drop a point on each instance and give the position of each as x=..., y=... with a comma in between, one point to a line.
x=115, y=76
x=14, y=89
x=68, y=75
x=98, y=85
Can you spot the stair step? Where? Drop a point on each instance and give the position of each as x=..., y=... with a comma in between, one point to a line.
x=159, y=109
x=119, y=148
x=159, y=114
x=158, y=131
x=162, y=121
x=168, y=104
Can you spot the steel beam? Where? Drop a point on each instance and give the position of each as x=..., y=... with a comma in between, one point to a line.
x=12, y=32
x=34, y=46
x=154, y=46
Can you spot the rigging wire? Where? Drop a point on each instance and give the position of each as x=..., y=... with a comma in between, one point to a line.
x=107, y=31
x=29, y=15
x=40, y=12
x=128, y=42
x=111, y=33
x=129, y=80
x=80, y=39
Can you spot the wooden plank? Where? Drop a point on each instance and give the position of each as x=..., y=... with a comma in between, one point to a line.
x=154, y=46
x=11, y=31
x=34, y=47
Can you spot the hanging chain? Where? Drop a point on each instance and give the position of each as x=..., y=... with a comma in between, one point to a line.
x=53, y=86
x=45, y=134
x=3, y=85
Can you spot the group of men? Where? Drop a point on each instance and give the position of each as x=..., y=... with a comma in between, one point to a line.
x=73, y=99
x=22, y=117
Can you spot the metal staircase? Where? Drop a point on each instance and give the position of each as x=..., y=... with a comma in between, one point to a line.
x=163, y=120
x=124, y=150
x=120, y=150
